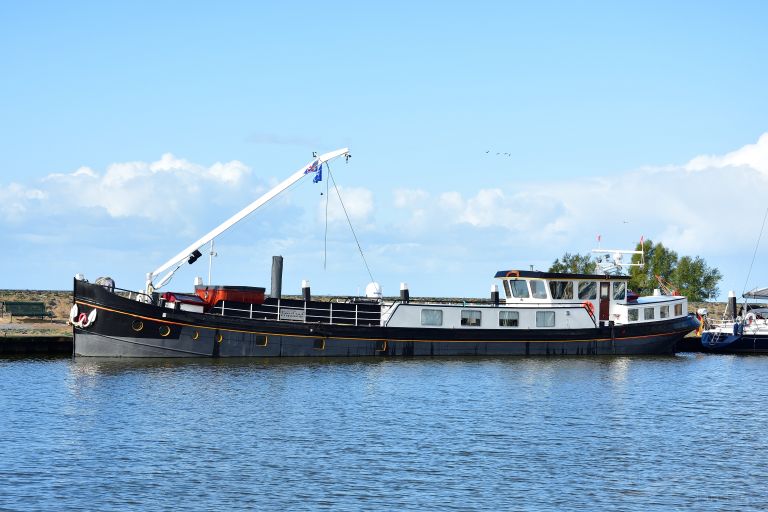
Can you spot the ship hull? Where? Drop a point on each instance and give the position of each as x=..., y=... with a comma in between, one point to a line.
x=723, y=343
x=127, y=328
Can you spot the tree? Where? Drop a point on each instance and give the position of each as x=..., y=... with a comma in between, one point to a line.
x=659, y=261
x=695, y=279
x=690, y=276
x=574, y=263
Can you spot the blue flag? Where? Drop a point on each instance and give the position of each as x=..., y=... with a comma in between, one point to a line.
x=319, y=176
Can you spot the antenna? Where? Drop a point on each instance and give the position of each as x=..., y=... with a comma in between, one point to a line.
x=212, y=254
x=612, y=260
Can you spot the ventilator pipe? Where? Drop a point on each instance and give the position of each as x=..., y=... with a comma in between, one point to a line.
x=277, y=277
x=495, y=294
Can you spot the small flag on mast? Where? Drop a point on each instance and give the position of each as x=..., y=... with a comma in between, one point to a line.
x=314, y=167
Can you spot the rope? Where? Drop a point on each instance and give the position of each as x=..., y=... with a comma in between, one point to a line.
x=325, y=235
x=330, y=175
x=754, y=255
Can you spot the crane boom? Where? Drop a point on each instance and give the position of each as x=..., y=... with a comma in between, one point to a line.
x=195, y=246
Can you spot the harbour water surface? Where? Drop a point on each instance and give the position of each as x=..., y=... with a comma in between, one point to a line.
x=661, y=433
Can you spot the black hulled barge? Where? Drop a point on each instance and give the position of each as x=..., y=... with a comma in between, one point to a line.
x=537, y=313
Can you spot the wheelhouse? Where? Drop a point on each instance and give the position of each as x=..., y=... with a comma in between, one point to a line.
x=608, y=296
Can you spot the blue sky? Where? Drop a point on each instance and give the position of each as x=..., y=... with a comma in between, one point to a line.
x=618, y=119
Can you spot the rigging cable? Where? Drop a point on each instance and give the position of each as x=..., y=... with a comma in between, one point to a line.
x=754, y=255
x=325, y=235
x=330, y=175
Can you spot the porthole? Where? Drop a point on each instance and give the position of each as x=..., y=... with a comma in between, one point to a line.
x=319, y=344
x=219, y=337
x=165, y=330
x=137, y=325
x=196, y=335
x=381, y=346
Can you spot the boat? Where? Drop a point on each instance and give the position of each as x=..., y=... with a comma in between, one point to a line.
x=743, y=331
x=538, y=313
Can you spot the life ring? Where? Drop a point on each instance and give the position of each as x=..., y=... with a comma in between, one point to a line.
x=589, y=307
x=82, y=320
x=749, y=318
x=73, y=313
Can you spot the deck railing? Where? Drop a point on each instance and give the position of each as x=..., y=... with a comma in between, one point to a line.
x=350, y=312
x=291, y=310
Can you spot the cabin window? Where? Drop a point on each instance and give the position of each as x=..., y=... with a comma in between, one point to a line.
x=678, y=309
x=506, y=288
x=664, y=312
x=519, y=288
x=470, y=317
x=588, y=290
x=538, y=289
x=647, y=313
x=431, y=317
x=632, y=315
x=509, y=318
x=619, y=290
x=561, y=289
x=545, y=319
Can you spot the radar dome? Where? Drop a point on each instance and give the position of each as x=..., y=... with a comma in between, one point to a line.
x=373, y=290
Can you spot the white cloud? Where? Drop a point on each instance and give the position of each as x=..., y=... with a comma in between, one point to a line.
x=161, y=189
x=711, y=205
x=230, y=172
x=358, y=202
x=409, y=198
x=754, y=156
x=168, y=162
x=16, y=200
x=684, y=206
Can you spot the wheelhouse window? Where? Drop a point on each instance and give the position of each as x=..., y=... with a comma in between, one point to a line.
x=619, y=290
x=538, y=289
x=587, y=290
x=561, y=290
x=632, y=315
x=470, y=317
x=647, y=313
x=678, y=309
x=519, y=288
x=506, y=288
x=664, y=312
x=509, y=318
x=431, y=317
x=545, y=319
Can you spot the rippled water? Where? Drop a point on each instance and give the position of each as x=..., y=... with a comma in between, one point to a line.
x=426, y=434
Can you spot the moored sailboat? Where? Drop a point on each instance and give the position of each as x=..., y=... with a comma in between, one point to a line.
x=740, y=332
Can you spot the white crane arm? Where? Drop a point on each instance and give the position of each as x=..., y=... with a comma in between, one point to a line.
x=187, y=252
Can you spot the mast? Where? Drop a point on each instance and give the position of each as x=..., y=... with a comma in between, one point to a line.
x=192, y=252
